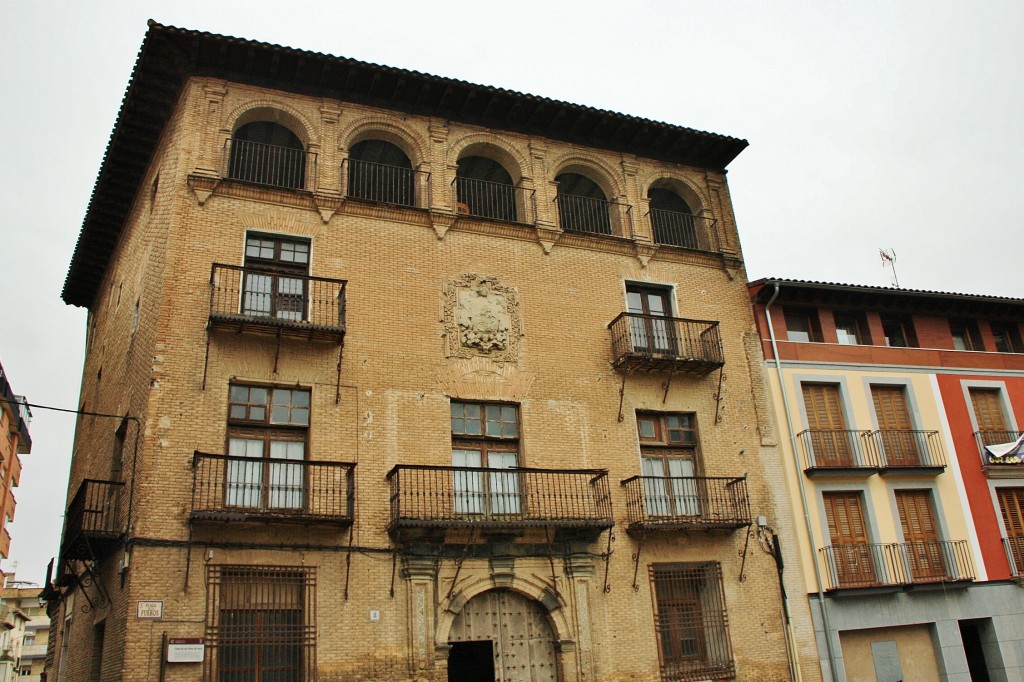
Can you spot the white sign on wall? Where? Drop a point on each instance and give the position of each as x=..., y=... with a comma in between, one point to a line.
x=185, y=650
x=150, y=610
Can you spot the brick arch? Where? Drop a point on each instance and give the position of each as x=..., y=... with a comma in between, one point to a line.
x=494, y=148
x=693, y=195
x=276, y=112
x=388, y=130
x=593, y=167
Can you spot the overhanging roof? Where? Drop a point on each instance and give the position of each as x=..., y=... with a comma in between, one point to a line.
x=921, y=301
x=170, y=55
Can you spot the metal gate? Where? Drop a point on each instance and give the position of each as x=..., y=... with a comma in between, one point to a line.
x=522, y=640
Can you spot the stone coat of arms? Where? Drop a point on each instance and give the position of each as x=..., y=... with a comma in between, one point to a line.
x=481, y=318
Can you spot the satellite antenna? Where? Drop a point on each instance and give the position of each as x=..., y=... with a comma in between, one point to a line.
x=889, y=259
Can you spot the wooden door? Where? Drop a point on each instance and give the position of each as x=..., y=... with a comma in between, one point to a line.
x=650, y=334
x=899, y=443
x=522, y=640
x=851, y=550
x=920, y=535
x=1011, y=504
x=829, y=439
x=988, y=413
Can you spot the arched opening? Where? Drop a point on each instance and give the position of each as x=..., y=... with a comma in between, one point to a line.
x=672, y=219
x=502, y=635
x=582, y=205
x=380, y=171
x=267, y=153
x=485, y=189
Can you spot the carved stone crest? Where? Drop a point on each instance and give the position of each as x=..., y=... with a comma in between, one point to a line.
x=481, y=318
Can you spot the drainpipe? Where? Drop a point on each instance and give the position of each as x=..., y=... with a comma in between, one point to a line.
x=803, y=492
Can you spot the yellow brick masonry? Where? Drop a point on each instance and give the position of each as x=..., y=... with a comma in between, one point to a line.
x=396, y=386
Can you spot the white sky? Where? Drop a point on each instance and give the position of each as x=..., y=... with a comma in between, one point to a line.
x=872, y=124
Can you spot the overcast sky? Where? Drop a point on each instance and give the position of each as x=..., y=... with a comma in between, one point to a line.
x=874, y=124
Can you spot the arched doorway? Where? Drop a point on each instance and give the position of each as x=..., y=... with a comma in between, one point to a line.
x=502, y=635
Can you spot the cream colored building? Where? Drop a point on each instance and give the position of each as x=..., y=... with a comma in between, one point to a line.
x=413, y=379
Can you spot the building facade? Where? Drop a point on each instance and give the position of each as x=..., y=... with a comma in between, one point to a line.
x=896, y=411
x=25, y=648
x=15, y=417
x=416, y=379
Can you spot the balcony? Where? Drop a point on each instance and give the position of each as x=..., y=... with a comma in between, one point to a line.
x=896, y=565
x=837, y=452
x=494, y=201
x=684, y=230
x=1003, y=460
x=250, y=300
x=587, y=215
x=269, y=165
x=5, y=543
x=33, y=651
x=573, y=502
x=229, y=488
x=385, y=184
x=649, y=342
x=686, y=503
x=92, y=526
x=907, y=451
x=1014, y=547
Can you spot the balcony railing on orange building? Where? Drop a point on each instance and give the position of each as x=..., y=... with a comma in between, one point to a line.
x=877, y=565
x=227, y=488
x=1014, y=547
x=1009, y=463
x=837, y=451
x=498, y=499
x=651, y=342
x=686, y=503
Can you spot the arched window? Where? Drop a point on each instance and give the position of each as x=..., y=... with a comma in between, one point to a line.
x=267, y=153
x=672, y=220
x=485, y=189
x=582, y=205
x=380, y=171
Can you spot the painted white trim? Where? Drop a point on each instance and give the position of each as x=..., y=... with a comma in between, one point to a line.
x=954, y=468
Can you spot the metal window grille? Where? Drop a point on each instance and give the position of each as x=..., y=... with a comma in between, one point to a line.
x=691, y=621
x=261, y=623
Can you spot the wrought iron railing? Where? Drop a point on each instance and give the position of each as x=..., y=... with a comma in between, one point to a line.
x=695, y=502
x=1014, y=547
x=245, y=488
x=594, y=216
x=908, y=449
x=984, y=438
x=862, y=564
x=427, y=496
x=93, y=519
x=495, y=200
x=683, y=229
x=268, y=164
x=276, y=298
x=386, y=184
x=672, y=339
x=837, y=449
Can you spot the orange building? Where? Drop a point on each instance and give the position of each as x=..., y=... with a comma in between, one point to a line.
x=14, y=419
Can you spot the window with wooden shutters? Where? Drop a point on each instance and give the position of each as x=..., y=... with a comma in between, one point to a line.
x=261, y=624
x=920, y=535
x=898, y=440
x=850, y=551
x=1011, y=504
x=691, y=621
x=988, y=415
x=829, y=439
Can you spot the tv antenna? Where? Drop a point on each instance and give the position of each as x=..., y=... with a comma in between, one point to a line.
x=889, y=259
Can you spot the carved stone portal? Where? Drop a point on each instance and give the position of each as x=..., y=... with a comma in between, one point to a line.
x=481, y=318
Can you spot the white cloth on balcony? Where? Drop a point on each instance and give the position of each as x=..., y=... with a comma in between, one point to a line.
x=1002, y=450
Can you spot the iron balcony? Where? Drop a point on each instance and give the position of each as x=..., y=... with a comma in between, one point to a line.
x=908, y=451
x=896, y=565
x=686, y=503
x=93, y=524
x=269, y=165
x=650, y=342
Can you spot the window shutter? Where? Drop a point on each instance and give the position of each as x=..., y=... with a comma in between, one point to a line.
x=1011, y=502
x=891, y=407
x=916, y=516
x=824, y=409
x=988, y=411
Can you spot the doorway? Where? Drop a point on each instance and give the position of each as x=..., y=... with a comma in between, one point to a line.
x=471, y=662
x=971, y=634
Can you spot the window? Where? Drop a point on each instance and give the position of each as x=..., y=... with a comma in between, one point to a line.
x=690, y=621
x=900, y=446
x=261, y=624
x=1011, y=504
x=275, y=278
x=899, y=331
x=267, y=428
x=485, y=436
x=267, y=153
x=965, y=335
x=830, y=444
x=802, y=325
x=582, y=205
x=920, y=535
x=380, y=171
x=852, y=329
x=993, y=427
x=650, y=331
x=672, y=221
x=850, y=552
x=485, y=189
x=1006, y=337
x=668, y=457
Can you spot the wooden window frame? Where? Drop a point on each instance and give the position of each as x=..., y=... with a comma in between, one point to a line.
x=808, y=316
x=496, y=493
x=1006, y=337
x=861, y=335
x=965, y=335
x=902, y=323
x=1010, y=500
